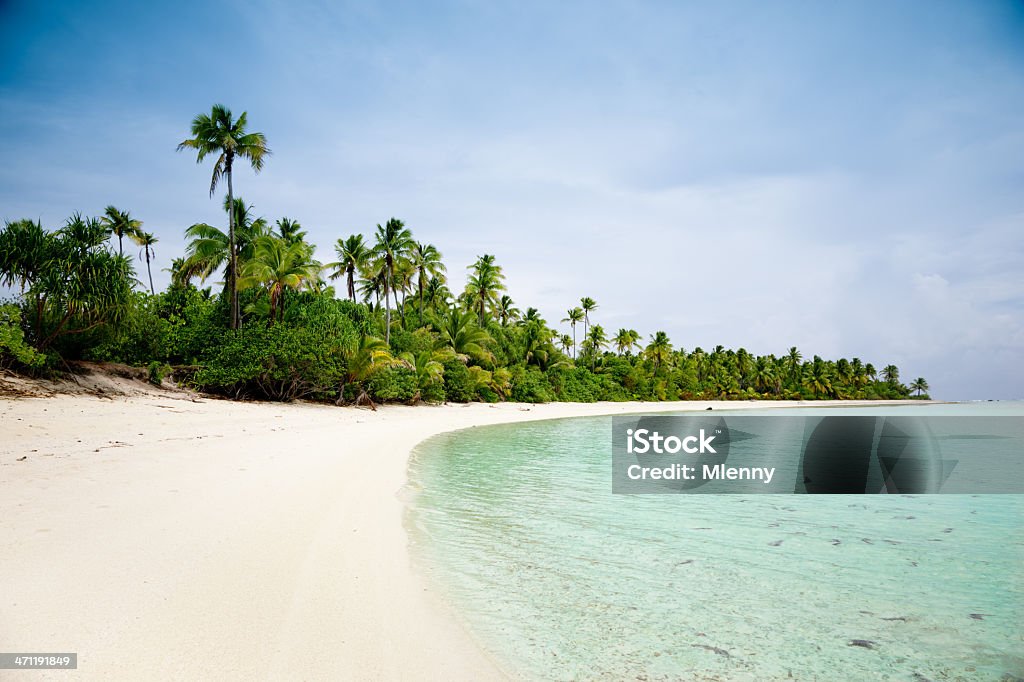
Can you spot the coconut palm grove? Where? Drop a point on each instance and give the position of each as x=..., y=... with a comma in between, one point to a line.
x=250, y=314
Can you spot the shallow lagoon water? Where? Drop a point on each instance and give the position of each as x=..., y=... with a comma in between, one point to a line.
x=560, y=579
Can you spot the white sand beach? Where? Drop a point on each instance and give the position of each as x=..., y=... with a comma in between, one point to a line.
x=165, y=538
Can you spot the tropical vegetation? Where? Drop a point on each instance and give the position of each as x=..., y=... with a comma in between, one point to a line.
x=250, y=313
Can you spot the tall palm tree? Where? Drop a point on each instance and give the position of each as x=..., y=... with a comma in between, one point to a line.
x=920, y=385
x=891, y=374
x=588, y=305
x=290, y=230
x=372, y=279
x=623, y=340
x=573, y=315
x=394, y=241
x=859, y=373
x=506, y=310
x=405, y=271
x=352, y=257
x=121, y=224
x=764, y=374
x=793, y=359
x=533, y=315
x=427, y=261
x=870, y=372
x=659, y=350
x=220, y=133
x=598, y=341
x=209, y=247
x=146, y=241
x=817, y=377
x=483, y=285
x=279, y=265
x=436, y=293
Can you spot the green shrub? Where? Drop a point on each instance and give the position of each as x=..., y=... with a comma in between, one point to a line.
x=141, y=335
x=14, y=352
x=419, y=341
x=196, y=324
x=393, y=384
x=282, y=361
x=157, y=372
x=433, y=392
x=575, y=384
x=529, y=385
x=458, y=384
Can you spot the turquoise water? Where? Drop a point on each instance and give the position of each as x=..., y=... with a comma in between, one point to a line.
x=560, y=579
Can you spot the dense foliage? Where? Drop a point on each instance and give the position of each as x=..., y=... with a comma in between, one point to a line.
x=277, y=330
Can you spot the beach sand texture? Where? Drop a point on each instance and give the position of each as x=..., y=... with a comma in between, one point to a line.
x=164, y=538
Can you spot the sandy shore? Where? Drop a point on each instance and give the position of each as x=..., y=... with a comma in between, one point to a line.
x=163, y=538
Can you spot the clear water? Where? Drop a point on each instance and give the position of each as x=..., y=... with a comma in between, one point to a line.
x=560, y=579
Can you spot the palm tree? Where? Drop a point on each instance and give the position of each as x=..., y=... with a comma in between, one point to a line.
x=290, y=230
x=634, y=340
x=659, y=350
x=506, y=310
x=598, y=341
x=209, y=248
x=427, y=261
x=394, y=241
x=817, y=377
x=859, y=373
x=121, y=224
x=588, y=305
x=457, y=331
x=573, y=315
x=372, y=278
x=891, y=374
x=352, y=257
x=483, y=285
x=360, y=362
x=146, y=241
x=764, y=374
x=621, y=340
x=427, y=365
x=566, y=342
x=279, y=265
x=436, y=292
x=219, y=133
x=920, y=385
x=404, y=273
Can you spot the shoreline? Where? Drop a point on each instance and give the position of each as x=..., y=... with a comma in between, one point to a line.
x=234, y=540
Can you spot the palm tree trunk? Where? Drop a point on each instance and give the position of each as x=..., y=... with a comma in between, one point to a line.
x=421, y=298
x=351, y=284
x=573, y=340
x=150, y=271
x=232, y=260
x=387, y=307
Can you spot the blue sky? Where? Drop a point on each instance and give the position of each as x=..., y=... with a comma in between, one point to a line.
x=844, y=177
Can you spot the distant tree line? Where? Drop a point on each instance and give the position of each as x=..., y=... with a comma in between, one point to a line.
x=276, y=328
